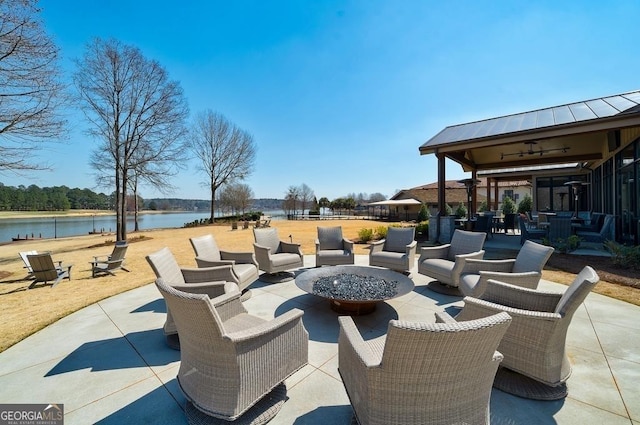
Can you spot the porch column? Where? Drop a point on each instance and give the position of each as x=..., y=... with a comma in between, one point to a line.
x=489, y=180
x=441, y=185
x=474, y=196
x=495, y=192
x=435, y=223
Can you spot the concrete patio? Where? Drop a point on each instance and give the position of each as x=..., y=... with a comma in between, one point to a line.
x=108, y=362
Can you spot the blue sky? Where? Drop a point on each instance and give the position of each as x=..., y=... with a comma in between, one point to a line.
x=339, y=95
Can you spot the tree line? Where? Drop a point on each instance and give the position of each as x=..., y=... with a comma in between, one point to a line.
x=302, y=198
x=56, y=198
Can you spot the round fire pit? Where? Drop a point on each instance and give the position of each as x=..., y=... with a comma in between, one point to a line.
x=354, y=290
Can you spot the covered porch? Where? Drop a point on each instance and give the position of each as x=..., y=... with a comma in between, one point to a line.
x=581, y=157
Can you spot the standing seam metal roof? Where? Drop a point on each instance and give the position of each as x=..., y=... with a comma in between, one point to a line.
x=557, y=115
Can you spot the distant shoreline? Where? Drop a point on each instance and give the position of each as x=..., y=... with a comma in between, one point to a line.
x=6, y=215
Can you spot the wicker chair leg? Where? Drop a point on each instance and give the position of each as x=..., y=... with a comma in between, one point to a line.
x=278, y=277
x=260, y=413
x=441, y=288
x=522, y=386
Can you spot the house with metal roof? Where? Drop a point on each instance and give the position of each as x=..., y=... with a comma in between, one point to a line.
x=594, y=142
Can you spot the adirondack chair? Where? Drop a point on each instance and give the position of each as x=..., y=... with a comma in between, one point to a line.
x=25, y=260
x=107, y=264
x=45, y=271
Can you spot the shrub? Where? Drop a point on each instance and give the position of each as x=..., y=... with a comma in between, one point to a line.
x=563, y=245
x=508, y=207
x=448, y=210
x=461, y=211
x=483, y=206
x=624, y=256
x=381, y=232
x=526, y=205
x=423, y=215
x=423, y=228
x=365, y=235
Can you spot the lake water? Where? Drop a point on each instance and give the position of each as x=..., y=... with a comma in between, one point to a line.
x=58, y=227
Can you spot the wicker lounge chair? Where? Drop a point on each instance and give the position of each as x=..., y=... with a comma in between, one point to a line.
x=212, y=281
x=397, y=251
x=244, y=266
x=596, y=220
x=535, y=363
x=525, y=270
x=445, y=262
x=275, y=257
x=232, y=364
x=44, y=270
x=422, y=373
x=605, y=233
x=484, y=223
x=527, y=233
x=107, y=264
x=332, y=248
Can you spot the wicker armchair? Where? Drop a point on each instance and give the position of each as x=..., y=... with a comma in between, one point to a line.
x=445, y=262
x=559, y=228
x=422, y=373
x=535, y=363
x=605, y=233
x=527, y=233
x=275, y=257
x=212, y=281
x=525, y=270
x=332, y=248
x=484, y=223
x=244, y=266
x=596, y=220
x=397, y=251
x=233, y=363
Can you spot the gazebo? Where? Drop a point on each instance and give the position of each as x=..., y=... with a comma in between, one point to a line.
x=393, y=207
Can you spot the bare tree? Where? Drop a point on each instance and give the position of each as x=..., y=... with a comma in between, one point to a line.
x=244, y=196
x=377, y=196
x=238, y=196
x=290, y=200
x=226, y=152
x=31, y=94
x=306, y=196
x=137, y=115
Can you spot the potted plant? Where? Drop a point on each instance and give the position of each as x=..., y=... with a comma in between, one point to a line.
x=509, y=212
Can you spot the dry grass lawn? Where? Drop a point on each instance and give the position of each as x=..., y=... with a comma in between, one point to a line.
x=25, y=311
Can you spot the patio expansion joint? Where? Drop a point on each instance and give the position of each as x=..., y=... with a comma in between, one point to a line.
x=318, y=369
x=106, y=396
x=602, y=409
x=151, y=369
x=606, y=359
